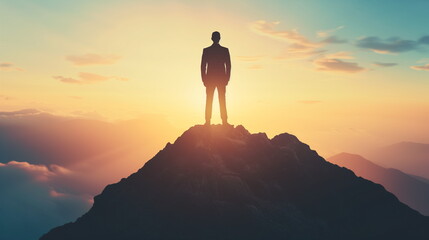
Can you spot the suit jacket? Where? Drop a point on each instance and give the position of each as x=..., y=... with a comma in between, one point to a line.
x=215, y=65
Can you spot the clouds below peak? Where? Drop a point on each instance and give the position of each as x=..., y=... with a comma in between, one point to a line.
x=92, y=59
x=38, y=172
x=32, y=202
x=88, y=78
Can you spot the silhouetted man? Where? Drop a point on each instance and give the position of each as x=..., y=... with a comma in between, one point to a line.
x=215, y=73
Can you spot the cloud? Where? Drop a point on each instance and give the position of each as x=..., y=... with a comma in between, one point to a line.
x=255, y=66
x=423, y=60
x=334, y=40
x=334, y=63
x=327, y=33
x=31, y=204
x=300, y=51
x=92, y=59
x=40, y=173
x=88, y=78
x=329, y=38
x=54, y=175
x=391, y=45
x=421, y=68
x=300, y=46
x=424, y=40
x=381, y=64
x=267, y=29
x=23, y=112
x=68, y=80
x=9, y=67
x=340, y=55
x=337, y=65
x=309, y=101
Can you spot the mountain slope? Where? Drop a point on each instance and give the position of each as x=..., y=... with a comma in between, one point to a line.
x=224, y=183
x=409, y=190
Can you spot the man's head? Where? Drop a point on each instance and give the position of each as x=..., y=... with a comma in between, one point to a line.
x=215, y=37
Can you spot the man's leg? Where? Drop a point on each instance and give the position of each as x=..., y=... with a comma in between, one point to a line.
x=209, y=103
x=221, y=90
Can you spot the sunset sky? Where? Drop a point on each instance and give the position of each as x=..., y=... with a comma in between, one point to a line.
x=91, y=90
x=341, y=76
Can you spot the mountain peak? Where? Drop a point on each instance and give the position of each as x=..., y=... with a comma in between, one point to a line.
x=344, y=156
x=222, y=182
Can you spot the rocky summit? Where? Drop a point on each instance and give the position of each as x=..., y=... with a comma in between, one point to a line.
x=221, y=182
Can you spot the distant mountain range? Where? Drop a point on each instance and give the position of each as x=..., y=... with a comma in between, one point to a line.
x=409, y=157
x=217, y=182
x=411, y=190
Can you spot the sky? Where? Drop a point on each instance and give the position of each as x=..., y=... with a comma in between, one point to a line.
x=347, y=70
x=343, y=76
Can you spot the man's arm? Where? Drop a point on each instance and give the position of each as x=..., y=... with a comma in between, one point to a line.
x=203, y=66
x=228, y=65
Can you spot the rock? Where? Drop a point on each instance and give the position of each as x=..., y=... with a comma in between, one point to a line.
x=219, y=182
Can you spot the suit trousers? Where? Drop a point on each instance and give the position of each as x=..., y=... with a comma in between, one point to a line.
x=221, y=90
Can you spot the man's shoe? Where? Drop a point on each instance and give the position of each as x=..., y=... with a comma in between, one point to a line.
x=225, y=123
x=207, y=123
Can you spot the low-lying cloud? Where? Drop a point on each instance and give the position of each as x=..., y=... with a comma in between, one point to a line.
x=92, y=59
x=31, y=203
x=56, y=164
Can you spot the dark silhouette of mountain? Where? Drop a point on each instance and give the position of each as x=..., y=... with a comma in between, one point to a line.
x=220, y=182
x=409, y=157
x=408, y=189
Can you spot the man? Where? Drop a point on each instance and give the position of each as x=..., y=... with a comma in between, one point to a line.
x=215, y=73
